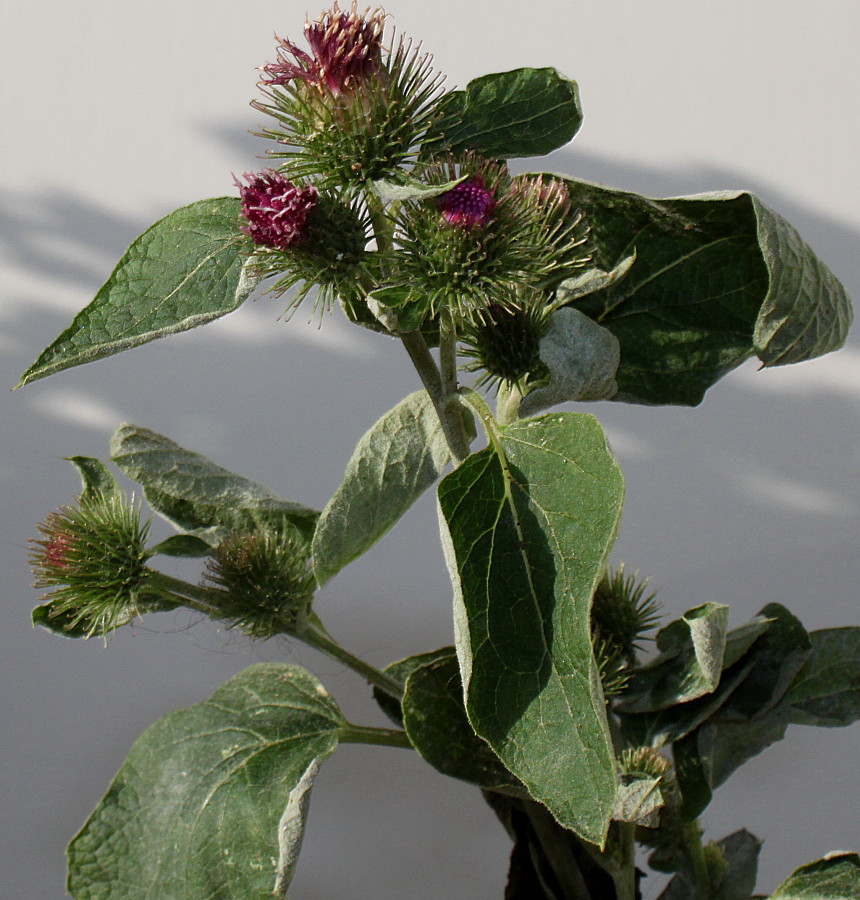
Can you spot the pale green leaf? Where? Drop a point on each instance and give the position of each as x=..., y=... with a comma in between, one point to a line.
x=582, y=359
x=638, y=800
x=196, y=495
x=187, y=269
x=689, y=666
x=392, y=465
x=209, y=802
x=511, y=517
x=96, y=478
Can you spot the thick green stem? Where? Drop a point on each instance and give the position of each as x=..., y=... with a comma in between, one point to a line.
x=383, y=737
x=625, y=876
x=450, y=418
x=314, y=636
x=698, y=865
x=194, y=596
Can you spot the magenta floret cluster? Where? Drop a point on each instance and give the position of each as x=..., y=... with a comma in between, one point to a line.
x=276, y=210
x=346, y=49
x=468, y=205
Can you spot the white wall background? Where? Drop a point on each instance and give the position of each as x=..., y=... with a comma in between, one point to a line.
x=114, y=114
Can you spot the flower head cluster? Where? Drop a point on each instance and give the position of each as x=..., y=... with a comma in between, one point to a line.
x=276, y=211
x=261, y=581
x=92, y=558
x=346, y=49
x=352, y=110
x=490, y=242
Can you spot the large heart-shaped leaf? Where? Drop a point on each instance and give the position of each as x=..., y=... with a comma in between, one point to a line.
x=211, y=799
x=717, y=278
x=392, y=465
x=525, y=112
x=196, y=495
x=187, y=269
x=527, y=525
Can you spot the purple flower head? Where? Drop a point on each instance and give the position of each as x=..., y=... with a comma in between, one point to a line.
x=468, y=205
x=346, y=49
x=276, y=210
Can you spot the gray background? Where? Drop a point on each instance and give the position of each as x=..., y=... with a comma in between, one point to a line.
x=114, y=114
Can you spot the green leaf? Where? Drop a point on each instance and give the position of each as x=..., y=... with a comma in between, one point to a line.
x=582, y=359
x=61, y=623
x=779, y=655
x=638, y=801
x=671, y=723
x=412, y=189
x=96, y=478
x=187, y=269
x=401, y=670
x=590, y=280
x=806, y=312
x=392, y=465
x=717, y=278
x=740, y=850
x=435, y=720
x=836, y=877
x=690, y=665
x=524, y=112
x=194, y=494
x=826, y=691
x=210, y=801
x=510, y=516
x=184, y=545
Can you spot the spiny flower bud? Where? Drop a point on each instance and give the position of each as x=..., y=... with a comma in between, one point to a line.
x=467, y=205
x=346, y=48
x=505, y=343
x=261, y=581
x=643, y=761
x=352, y=111
x=276, y=210
x=92, y=557
x=622, y=612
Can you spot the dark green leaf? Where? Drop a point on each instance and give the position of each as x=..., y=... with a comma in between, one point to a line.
x=826, y=691
x=96, y=478
x=740, y=851
x=182, y=545
x=435, y=720
x=392, y=465
x=717, y=278
x=806, y=312
x=779, y=655
x=525, y=112
x=401, y=670
x=210, y=800
x=836, y=877
x=689, y=666
x=189, y=268
x=194, y=494
x=693, y=778
x=510, y=516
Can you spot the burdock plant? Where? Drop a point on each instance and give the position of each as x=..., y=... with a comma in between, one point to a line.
x=390, y=199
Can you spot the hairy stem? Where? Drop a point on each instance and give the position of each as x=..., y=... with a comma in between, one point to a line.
x=434, y=383
x=383, y=737
x=315, y=636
